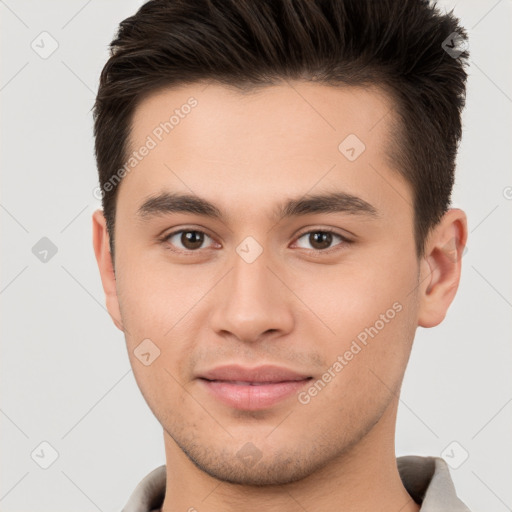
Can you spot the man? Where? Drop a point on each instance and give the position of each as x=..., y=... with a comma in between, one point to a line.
x=276, y=180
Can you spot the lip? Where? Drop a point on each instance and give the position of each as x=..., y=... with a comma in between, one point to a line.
x=252, y=388
x=266, y=373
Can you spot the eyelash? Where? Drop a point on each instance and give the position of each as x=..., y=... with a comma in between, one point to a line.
x=189, y=252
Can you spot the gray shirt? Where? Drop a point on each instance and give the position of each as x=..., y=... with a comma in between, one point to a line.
x=426, y=479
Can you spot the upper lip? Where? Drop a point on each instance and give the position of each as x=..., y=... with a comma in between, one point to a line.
x=265, y=373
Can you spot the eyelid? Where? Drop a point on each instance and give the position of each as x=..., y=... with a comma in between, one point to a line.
x=315, y=229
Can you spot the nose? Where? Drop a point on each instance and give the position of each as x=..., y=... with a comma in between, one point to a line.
x=253, y=301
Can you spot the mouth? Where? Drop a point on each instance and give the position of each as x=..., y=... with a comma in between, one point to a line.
x=265, y=374
x=253, y=383
x=252, y=395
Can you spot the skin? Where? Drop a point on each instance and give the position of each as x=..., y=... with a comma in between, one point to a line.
x=294, y=306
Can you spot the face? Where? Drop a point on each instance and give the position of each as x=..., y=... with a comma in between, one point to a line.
x=330, y=294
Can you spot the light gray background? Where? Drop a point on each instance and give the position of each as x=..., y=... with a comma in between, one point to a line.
x=65, y=373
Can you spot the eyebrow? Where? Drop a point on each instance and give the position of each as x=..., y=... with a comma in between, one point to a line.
x=310, y=204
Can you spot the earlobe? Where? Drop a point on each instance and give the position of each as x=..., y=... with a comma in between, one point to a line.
x=100, y=240
x=441, y=267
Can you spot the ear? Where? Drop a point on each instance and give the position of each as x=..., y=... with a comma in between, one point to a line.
x=441, y=266
x=100, y=240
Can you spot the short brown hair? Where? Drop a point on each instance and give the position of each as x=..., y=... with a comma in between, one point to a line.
x=407, y=47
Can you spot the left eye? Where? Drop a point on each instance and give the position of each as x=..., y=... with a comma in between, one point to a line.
x=321, y=239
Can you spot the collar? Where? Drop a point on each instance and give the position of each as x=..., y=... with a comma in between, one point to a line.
x=426, y=479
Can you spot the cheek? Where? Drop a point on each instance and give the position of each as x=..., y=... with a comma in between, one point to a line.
x=347, y=298
x=156, y=305
x=364, y=367
x=370, y=313
x=160, y=386
x=153, y=295
x=149, y=312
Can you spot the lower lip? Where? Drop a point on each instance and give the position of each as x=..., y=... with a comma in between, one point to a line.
x=252, y=398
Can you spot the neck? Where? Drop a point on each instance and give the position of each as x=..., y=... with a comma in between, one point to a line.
x=363, y=478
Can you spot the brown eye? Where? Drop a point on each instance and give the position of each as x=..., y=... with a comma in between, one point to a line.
x=190, y=240
x=322, y=239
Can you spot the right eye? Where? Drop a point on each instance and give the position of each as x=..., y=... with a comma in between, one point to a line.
x=190, y=239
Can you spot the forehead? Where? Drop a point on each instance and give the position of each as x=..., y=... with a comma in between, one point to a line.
x=216, y=141
x=278, y=116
